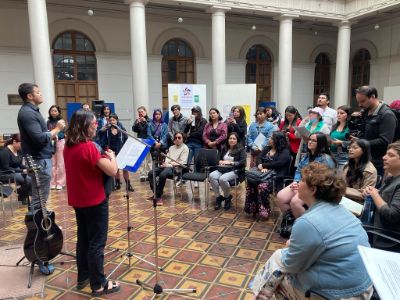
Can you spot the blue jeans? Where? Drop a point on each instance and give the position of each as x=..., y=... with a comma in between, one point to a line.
x=193, y=150
x=92, y=237
x=44, y=176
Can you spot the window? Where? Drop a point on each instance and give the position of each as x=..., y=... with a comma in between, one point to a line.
x=75, y=69
x=258, y=71
x=360, y=73
x=177, y=66
x=321, y=76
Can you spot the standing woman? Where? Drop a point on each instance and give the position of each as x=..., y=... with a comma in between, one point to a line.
x=292, y=120
x=58, y=168
x=237, y=123
x=216, y=131
x=194, y=131
x=158, y=131
x=85, y=170
x=260, y=126
x=140, y=127
x=340, y=136
x=231, y=166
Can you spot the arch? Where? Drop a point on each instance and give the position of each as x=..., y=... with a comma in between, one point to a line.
x=366, y=44
x=179, y=33
x=72, y=24
x=261, y=40
x=324, y=48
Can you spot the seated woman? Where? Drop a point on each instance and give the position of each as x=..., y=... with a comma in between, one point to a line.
x=179, y=152
x=318, y=151
x=233, y=157
x=359, y=172
x=275, y=157
x=387, y=198
x=216, y=131
x=322, y=253
x=12, y=166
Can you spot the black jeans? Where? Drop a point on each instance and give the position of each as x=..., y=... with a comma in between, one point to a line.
x=162, y=174
x=92, y=236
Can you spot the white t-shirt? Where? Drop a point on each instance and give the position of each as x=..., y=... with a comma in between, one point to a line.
x=330, y=117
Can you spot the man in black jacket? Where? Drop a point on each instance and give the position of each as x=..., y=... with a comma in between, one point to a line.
x=379, y=123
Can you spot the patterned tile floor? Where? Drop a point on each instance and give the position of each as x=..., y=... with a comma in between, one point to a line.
x=216, y=252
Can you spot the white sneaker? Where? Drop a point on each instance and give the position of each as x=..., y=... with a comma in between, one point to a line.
x=52, y=187
x=59, y=187
x=180, y=183
x=196, y=184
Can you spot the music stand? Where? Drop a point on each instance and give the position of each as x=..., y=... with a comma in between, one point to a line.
x=157, y=288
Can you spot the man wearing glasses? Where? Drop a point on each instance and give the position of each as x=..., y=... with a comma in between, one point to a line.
x=178, y=152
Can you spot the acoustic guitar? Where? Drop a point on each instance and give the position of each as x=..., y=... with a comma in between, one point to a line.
x=44, y=239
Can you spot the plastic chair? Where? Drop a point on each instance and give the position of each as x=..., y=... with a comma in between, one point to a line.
x=7, y=188
x=206, y=160
x=235, y=184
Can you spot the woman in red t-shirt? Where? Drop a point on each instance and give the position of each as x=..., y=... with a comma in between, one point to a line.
x=85, y=169
x=292, y=120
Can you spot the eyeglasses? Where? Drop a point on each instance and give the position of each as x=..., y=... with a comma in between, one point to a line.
x=178, y=138
x=312, y=140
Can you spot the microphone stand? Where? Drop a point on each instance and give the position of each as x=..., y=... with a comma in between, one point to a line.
x=157, y=288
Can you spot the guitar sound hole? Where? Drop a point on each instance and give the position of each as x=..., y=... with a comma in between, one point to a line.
x=44, y=227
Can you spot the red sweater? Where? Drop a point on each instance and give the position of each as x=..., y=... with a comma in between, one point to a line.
x=84, y=178
x=294, y=141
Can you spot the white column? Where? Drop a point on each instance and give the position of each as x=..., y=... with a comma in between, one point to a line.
x=285, y=62
x=41, y=54
x=139, y=53
x=342, y=64
x=218, y=49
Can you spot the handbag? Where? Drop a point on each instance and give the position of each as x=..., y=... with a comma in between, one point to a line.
x=255, y=176
x=287, y=224
x=225, y=169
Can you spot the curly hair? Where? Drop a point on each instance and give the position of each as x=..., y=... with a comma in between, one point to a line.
x=330, y=185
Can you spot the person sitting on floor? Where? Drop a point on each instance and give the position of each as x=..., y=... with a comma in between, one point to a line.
x=179, y=152
x=321, y=255
x=359, y=172
x=231, y=166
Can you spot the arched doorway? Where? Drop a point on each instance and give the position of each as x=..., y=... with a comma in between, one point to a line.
x=177, y=66
x=75, y=69
x=258, y=71
x=360, y=73
x=322, y=75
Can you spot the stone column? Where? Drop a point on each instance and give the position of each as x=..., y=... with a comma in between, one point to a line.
x=342, y=64
x=41, y=53
x=218, y=49
x=285, y=62
x=139, y=53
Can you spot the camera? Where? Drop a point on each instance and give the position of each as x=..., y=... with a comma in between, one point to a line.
x=357, y=126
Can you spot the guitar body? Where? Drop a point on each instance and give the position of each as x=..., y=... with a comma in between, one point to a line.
x=42, y=245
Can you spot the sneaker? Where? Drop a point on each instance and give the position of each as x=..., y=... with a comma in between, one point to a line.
x=180, y=183
x=59, y=187
x=160, y=202
x=150, y=198
x=52, y=187
x=46, y=268
x=196, y=184
x=143, y=178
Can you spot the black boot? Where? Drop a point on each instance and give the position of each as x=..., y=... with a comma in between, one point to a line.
x=130, y=187
x=228, y=202
x=117, y=185
x=218, y=202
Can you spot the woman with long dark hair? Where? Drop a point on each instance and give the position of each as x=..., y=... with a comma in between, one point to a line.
x=360, y=171
x=158, y=130
x=288, y=125
x=233, y=158
x=57, y=169
x=275, y=157
x=237, y=123
x=86, y=166
x=216, y=131
x=318, y=151
x=340, y=136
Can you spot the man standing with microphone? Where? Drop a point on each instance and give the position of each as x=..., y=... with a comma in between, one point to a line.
x=37, y=141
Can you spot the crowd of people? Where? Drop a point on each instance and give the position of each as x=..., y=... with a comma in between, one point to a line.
x=327, y=154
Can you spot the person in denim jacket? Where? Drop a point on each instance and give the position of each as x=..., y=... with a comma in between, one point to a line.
x=158, y=130
x=318, y=151
x=322, y=254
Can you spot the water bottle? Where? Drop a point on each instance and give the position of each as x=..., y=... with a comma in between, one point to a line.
x=367, y=215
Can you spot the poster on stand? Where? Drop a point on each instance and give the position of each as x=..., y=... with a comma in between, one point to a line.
x=187, y=96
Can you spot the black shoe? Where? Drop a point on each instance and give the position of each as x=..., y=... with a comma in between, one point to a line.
x=228, y=202
x=218, y=202
x=130, y=187
x=117, y=184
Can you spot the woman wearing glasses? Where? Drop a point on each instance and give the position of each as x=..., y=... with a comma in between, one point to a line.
x=178, y=152
x=318, y=151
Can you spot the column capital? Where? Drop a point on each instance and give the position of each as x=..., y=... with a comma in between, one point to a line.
x=218, y=9
x=344, y=24
x=143, y=2
x=285, y=17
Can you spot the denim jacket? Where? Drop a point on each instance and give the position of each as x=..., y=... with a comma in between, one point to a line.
x=163, y=138
x=323, y=159
x=255, y=129
x=323, y=254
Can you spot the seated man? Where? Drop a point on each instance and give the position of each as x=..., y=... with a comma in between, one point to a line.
x=179, y=152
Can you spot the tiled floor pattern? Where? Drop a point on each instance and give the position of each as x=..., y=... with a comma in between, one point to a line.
x=216, y=252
